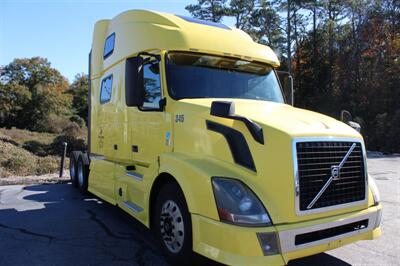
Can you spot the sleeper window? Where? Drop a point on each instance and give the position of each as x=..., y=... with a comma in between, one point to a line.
x=106, y=89
x=109, y=45
x=152, y=87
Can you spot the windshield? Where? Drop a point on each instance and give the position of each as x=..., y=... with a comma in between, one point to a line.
x=191, y=75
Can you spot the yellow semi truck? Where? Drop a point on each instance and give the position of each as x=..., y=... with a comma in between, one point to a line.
x=190, y=133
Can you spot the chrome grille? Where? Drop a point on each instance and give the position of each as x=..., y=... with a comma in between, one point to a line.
x=314, y=162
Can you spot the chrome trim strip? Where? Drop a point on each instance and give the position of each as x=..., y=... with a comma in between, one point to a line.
x=97, y=156
x=102, y=157
x=135, y=175
x=296, y=175
x=132, y=206
x=287, y=238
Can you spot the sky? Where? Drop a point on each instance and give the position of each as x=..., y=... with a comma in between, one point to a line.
x=61, y=30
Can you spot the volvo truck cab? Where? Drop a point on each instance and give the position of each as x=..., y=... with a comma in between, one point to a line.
x=190, y=133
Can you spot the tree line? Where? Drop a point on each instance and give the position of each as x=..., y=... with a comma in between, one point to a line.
x=343, y=54
x=35, y=96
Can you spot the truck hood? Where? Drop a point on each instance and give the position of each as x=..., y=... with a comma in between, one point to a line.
x=273, y=177
x=293, y=121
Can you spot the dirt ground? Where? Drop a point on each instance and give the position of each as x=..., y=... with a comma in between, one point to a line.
x=35, y=179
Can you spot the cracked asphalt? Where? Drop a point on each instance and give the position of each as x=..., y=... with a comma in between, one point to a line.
x=56, y=225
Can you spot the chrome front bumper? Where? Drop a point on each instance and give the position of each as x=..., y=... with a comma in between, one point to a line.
x=287, y=237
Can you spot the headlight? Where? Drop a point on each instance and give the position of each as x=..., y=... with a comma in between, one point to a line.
x=237, y=204
x=374, y=190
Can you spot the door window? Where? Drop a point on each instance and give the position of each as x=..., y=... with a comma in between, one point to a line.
x=152, y=86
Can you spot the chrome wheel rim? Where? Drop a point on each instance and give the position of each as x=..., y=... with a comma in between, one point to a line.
x=80, y=174
x=172, y=227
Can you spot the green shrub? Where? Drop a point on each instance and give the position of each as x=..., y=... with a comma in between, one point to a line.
x=16, y=161
x=73, y=135
x=48, y=164
x=79, y=120
x=57, y=146
x=36, y=147
x=52, y=123
x=74, y=130
x=24, y=152
x=21, y=136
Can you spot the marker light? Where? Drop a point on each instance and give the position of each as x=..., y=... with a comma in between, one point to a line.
x=269, y=243
x=374, y=190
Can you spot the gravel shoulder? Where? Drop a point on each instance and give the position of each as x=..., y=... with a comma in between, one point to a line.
x=35, y=179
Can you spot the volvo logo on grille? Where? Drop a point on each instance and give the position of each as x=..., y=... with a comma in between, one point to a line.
x=335, y=172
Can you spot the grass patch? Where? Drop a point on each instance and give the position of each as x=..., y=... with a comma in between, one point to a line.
x=22, y=136
x=16, y=161
x=24, y=152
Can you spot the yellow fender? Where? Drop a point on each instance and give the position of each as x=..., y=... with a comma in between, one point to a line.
x=194, y=177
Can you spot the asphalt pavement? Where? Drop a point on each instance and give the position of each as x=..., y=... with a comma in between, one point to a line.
x=56, y=225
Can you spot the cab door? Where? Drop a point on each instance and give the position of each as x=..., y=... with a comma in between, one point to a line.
x=150, y=135
x=150, y=129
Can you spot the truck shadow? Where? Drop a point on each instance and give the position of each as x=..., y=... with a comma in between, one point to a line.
x=56, y=225
x=319, y=259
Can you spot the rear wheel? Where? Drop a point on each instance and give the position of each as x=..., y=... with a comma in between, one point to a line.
x=82, y=174
x=172, y=224
x=73, y=167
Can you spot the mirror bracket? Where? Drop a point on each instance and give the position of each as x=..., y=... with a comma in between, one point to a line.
x=156, y=56
x=346, y=117
x=163, y=103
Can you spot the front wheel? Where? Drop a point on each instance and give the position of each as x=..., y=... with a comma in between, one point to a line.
x=172, y=224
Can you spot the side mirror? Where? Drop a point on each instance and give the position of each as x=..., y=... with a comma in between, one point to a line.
x=134, y=83
x=287, y=81
x=346, y=117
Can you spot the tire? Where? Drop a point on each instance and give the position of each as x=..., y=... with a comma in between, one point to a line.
x=82, y=174
x=172, y=225
x=73, y=167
